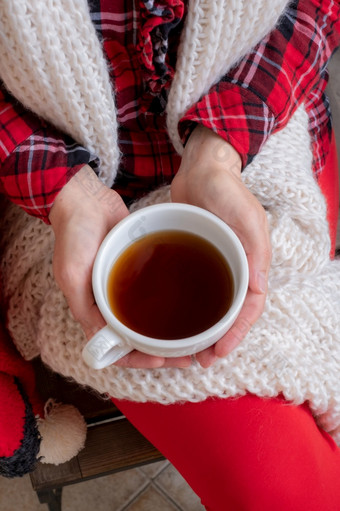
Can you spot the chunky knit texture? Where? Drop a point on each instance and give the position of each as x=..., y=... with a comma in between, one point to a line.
x=51, y=60
x=216, y=35
x=293, y=349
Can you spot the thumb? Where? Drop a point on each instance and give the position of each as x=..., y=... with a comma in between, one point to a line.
x=259, y=264
x=84, y=309
x=254, y=236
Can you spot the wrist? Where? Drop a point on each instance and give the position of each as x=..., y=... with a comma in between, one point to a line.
x=205, y=147
x=86, y=197
x=83, y=187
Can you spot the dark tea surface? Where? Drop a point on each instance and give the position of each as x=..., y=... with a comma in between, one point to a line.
x=170, y=285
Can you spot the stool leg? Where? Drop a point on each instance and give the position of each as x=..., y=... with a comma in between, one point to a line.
x=51, y=497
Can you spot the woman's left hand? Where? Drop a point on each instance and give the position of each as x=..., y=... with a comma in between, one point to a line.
x=210, y=177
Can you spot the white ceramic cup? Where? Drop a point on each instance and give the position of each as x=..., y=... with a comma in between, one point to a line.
x=116, y=340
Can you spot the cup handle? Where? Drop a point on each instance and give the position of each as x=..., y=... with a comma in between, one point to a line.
x=105, y=348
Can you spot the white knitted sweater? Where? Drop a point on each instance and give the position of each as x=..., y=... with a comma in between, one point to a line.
x=294, y=347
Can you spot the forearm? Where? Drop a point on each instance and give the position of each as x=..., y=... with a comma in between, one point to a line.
x=36, y=160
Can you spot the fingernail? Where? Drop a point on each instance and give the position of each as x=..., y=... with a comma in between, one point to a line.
x=262, y=281
x=209, y=362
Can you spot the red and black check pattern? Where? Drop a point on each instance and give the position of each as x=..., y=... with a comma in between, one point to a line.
x=257, y=98
x=286, y=69
x=36, y=160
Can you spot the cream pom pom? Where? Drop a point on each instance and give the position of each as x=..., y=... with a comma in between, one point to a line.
x=63, y=432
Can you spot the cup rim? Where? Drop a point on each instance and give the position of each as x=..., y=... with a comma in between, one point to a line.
x=127, y=333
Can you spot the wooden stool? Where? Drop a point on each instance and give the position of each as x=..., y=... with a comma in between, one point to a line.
x=112, y=443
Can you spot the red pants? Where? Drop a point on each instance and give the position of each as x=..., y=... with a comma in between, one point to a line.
x=249, y=454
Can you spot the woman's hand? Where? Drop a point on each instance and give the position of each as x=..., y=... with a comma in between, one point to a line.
x=210, y=177
x=83, y=213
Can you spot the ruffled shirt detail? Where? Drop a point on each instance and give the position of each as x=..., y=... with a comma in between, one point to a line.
x=156, y=25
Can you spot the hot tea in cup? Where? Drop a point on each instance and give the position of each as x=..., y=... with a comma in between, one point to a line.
x=170, y=285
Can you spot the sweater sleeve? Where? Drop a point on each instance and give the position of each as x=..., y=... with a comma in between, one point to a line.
x=259, y=95
x=36, y=160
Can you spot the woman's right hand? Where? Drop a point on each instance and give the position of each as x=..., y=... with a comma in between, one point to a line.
x=83, y=213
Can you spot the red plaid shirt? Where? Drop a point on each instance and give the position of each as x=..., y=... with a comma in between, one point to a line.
x=252, y=101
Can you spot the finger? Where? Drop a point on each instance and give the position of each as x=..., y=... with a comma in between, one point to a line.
x=139, y=360
x=252, y=309
x=77, y=288
x=248, y=220
x=259, y=264
x=93, y=322
x=72, y=265
x=207, y=357
x=181, y=362
x=254, y=236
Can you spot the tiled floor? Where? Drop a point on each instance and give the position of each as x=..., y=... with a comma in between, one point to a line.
x=154, y=487
x=151, y=488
